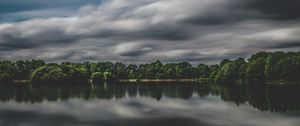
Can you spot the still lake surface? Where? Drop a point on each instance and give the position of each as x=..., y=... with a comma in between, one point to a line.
x=168, y=104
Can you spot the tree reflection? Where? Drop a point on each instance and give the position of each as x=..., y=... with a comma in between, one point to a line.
x=265, y=98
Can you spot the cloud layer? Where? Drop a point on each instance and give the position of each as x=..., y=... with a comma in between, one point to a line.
x=138, y=31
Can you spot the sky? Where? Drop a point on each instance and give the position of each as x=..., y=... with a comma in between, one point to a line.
x=142, y=31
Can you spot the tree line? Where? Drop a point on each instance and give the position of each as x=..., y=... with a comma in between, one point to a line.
x=260, y=68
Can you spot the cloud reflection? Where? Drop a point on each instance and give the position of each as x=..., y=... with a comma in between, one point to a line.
x=141, y=111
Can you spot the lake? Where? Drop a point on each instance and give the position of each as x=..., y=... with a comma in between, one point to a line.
x=167, y=104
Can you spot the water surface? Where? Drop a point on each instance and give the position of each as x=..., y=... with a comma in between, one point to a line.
x=188, y=104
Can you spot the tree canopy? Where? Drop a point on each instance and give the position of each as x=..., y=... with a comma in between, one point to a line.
x=260, y=68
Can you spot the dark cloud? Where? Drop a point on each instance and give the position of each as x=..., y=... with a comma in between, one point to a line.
x=275, y=9
x=287, y=44
x=136, y=31
x=134, y=53
x=236, y=10
x=157, y=32
x=48, y=38
x=165, y=32
x=15, y=46
x=11, y=42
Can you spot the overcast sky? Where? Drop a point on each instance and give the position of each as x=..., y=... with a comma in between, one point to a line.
x=139, y=31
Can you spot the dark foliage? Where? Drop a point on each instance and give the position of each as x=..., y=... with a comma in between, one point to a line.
x=270, y=67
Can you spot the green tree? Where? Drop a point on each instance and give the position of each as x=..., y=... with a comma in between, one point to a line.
x=75, y=74
x=203, y=71
x=255, y=71
x=131, y=71
x=101, y=67
x=119, y=71
x=272, y=73
x=108, y=76
x=7, y=71
x=6, y=78
x=48, y=74
x=170, y=70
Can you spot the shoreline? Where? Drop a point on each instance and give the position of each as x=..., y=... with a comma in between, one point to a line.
x=201, y=80
x=163, y=80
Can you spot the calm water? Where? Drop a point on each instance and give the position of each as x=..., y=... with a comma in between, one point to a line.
x=182, y=104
